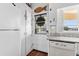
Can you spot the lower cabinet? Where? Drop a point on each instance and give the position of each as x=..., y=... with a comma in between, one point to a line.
x=62, y=49
x=41, y=43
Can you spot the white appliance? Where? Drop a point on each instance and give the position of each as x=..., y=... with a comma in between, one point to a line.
x=9, y=30
x=59, y=48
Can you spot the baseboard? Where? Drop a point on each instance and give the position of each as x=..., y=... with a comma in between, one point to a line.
x=29, y=51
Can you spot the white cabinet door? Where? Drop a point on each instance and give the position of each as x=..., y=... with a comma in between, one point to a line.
x=55, y=51
x=41, y=43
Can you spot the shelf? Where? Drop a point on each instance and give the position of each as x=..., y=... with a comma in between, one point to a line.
x=40, y=13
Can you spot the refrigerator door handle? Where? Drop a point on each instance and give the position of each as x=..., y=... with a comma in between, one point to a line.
x=9, y=29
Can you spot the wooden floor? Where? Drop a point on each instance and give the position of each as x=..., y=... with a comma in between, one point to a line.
x=37, y=53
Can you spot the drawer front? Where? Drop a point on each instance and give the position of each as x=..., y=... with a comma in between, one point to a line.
x=54, y=51
x=62, y=45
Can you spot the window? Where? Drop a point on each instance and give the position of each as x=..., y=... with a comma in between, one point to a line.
x=71, y=21
x=40, y=23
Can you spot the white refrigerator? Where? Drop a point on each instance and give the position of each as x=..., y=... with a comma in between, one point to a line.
x=9, y=30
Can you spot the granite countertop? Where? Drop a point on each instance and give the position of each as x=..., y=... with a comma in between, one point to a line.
x=70, y=39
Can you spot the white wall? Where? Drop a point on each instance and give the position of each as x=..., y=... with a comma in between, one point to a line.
x=22, y=28
x=29, y=38
x=25, y=29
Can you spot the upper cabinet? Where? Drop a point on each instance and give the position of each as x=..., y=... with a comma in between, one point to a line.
x=68, y=19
